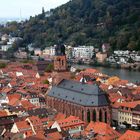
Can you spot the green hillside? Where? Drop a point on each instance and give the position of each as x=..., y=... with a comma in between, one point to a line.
x=85, y=22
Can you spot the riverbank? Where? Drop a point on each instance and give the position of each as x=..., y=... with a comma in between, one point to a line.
x=129, y=66
x=132, y=76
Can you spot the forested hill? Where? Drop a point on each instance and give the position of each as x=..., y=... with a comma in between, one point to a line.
x=86, y=22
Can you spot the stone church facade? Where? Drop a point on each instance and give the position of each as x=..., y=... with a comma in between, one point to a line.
x=88, y=102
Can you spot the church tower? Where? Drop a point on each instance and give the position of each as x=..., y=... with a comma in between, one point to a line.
x=60, y=62
x=60, y=65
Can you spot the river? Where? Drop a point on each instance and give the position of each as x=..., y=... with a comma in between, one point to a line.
x=132, y=76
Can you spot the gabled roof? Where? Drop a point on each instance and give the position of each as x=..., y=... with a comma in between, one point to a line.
x=35, y=120
x=14, y=99
x=27, y=105
x=79, y=93
x=60, y=116
x=23, y=126
x=102, y=129
x=116, y=105
x=71, y=121
x=16, y=96
x=130, y=104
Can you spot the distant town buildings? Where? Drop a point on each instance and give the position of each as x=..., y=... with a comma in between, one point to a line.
x=78, y=54
x=106, y=47
x=101, y=57
x=7, y=42
x=124, y=57
x=83, y=52
x=37, y=52
x=48, y=52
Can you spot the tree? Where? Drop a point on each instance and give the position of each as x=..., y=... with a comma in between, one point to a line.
x=49, y=68
x=46, y=82
x=131, y=46
x=83, y=22
x=122, y=42
x=3, y=65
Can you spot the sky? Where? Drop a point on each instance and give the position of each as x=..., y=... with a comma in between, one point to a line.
x=12, y=8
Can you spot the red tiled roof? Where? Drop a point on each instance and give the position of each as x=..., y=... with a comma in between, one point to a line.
x=90, y=70
x=112, y=80
x=113, y=97
x=136, y=90
x=35, y=120
x=27, y=105
x=16, y=96
x=102, y=129
x=50, y=123
x=14, y=99
x=60, y=116
x=13, y=83
x=130, y=104
x=40, y=135
x=6, y=90
x=130, y=135
x=120, y=83
x=71, y=121
x=104, y=86
x=3, y=113
x=54, y=136
x=22, y=125
x=44, y=120
x=116, y=105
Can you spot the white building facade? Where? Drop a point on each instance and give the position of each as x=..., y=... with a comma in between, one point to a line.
x=83, y=52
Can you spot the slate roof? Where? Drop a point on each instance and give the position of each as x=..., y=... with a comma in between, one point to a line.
x=79, y=93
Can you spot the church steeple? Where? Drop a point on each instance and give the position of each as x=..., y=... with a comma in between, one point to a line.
x=60, y=63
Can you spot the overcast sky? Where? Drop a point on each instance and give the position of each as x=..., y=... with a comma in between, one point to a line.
x=11, y=8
